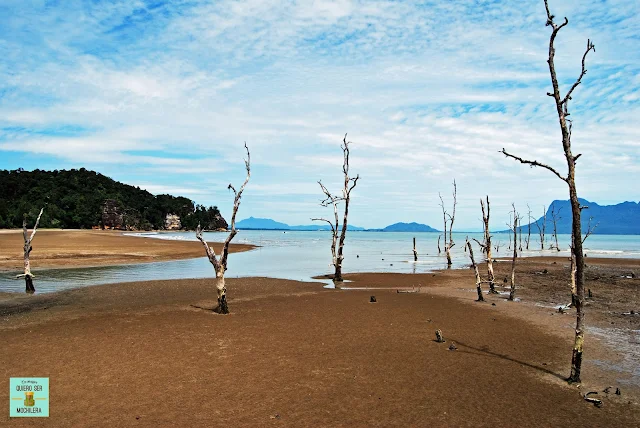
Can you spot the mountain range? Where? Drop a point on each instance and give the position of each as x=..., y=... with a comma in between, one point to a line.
x=619, y=219
x=253, y=223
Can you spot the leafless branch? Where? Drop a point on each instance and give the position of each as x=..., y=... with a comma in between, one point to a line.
x=590, y=47
x=590, y=229
x=211, y=254
x=481, y=245
x=236, y=205
x=324, y=219
x=221, y=264
x=533, y=163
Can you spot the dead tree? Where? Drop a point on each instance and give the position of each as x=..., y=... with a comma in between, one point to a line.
x=330, y=199
x=451, y=218
x=555, y=216
x=220, y=264
x=520, y=235
x=542, y=230
x=514, y=229
x=333, y=201
x=28, y=276
x=475, y=270
x=439, y=250
x=562, y=110
x=486, y=246
x=528, y=227
x=415, y=252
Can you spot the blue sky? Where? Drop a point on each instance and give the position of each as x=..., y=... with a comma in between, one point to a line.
x=163, y=94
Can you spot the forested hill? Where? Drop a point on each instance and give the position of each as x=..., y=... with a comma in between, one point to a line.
x=86, y=199
x=620, y=219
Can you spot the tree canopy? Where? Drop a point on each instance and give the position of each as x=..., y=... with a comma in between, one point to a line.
x=75, y=198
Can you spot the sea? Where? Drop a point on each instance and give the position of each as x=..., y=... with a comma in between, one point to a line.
x=302, y=255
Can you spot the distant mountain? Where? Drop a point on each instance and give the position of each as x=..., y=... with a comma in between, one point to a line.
x=620, y=219
x=409, y=227
x=269, y=224
x=261, y=223
x=324, y=226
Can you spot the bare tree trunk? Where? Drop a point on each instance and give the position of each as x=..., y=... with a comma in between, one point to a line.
x=512, y=293
x=555, y=217
x=28, y=276
x=576, y=359
x=520, y=237
x=221, y=290
x=529, y=228
x=487, y=246
x=541, y=230
x=415, y=252
x=509, y=246
x=444, y=219
x=439, y=251
x=475, y=270
x=565, y=128
x=220, y=264
x=452, y=217
x=574, y=287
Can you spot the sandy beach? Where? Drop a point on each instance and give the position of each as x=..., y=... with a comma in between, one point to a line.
x=296, y=354
x=85, y=248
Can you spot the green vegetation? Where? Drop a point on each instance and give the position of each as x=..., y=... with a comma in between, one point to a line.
x=75, y=199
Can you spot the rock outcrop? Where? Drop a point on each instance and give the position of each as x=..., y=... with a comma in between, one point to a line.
x=217, y=223
x=112, y=215
x=172, y=222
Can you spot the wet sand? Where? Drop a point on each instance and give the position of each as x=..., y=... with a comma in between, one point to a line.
x=86, y=248
x=296, y=354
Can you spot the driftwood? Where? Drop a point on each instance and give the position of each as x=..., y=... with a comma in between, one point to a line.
x=407, y=291
x=595, y=401
x=27, y=275
x=220, y=264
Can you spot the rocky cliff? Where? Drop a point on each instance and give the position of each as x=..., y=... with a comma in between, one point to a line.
x=112, y=215
x=172, y=222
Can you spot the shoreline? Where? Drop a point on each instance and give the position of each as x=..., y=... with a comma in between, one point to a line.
x=61, y=249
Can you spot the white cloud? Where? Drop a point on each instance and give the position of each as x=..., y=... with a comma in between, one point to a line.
x=427, y=93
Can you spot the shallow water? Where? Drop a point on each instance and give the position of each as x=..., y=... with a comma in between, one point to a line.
x=302, y=255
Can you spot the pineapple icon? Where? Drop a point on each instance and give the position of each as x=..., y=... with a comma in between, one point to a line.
x=28, y=400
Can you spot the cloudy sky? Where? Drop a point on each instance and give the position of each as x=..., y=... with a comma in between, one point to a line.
x=163, y=94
